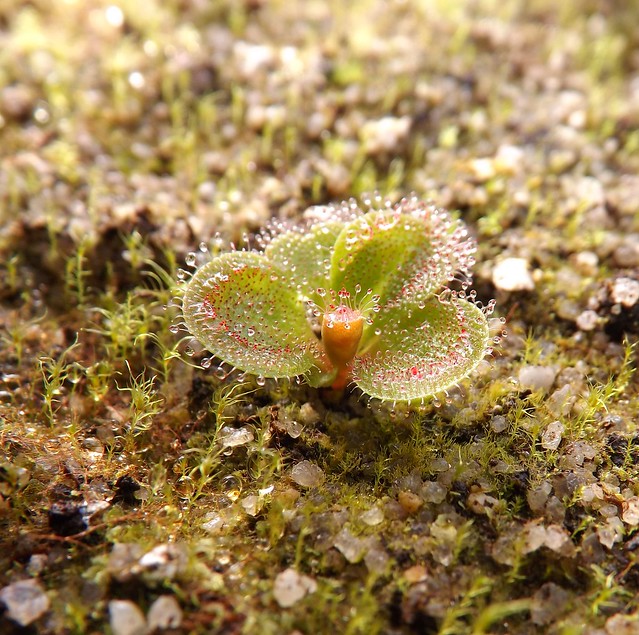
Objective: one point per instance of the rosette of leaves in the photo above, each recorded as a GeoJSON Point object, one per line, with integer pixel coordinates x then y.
{"type": "Point", "coordinates": [351, 295]}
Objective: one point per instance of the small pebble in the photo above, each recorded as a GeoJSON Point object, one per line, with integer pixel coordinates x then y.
{"type": "Point", "coordinates": [630, 513]}
{"type": "Point", "coordinates": [587, 262]}
{"type": "Point", "coordinates": [351, 547]}
{"type": "Point", "coordinates": [483, 169]}
{"type": "Point", "coordinates": [293, 428]}
{"type": "Point", "coordinates": [567, 309]}
{"type": "Point", "coordinates": [373, 516]}
{"type": "Point", "coordinates": [376, 560]}
{"type": "Point", "coordinates": [537, 377]}
{"type": "Point", "coordinates": [394, 511]}
{"type": "Point", "coordinates": [554, 537]}
{"type": "Point", "coordinates": [589, 190]}
{"type": "Point", "coordinates": [232, 437]}
{"type": "Point", "coordinates": [290, 587]}
{"type": "Point", "coordinates": [213, 523]}
{"type": "Point", "coordinates": [439, 464]}
{"type": "Point", "coordinates": [385, 134]}
{"type": "Point", "coordinates": [535, 538]}
{"type": "Point", "coordinates": [409, 501]}
{"type": "Point", "coordinates": [513, 274]}
{"type": "Point", "coordinates": [17, 102]}
{"type": "Point", "coordinates": [164, 613]}
{"type": "Point", "coordinates": [625, 291]}
{"type": "Point", "coordinates": [621, 624]}
{"type": "Point", "coordinates": [587, 320]}
{"type": "Point", "coordinates": [509, 159]}
{"type": "Point", "coordinates": [252, 59]}
{"type": "Point", "coordinates": [480, 502]}
{"type": "Point", "coordinates": [126, 618]}
{"type": "Point", "coordinates": [251, 504]}
{"type": "Point", "coordinates": [592, 493]}
{"type": "Point", "coordinates": [307, 474]}
{"type": "Point", "coordinates": [411, 482]}
{"type": "Point", "coordinates": [25, 601]}
{"type": "Point", "coordinates": [445, 537]}
{"type": "Point", "coordinates": [163, 562]}
{"type": "Point", "coordinates": [627, 254]}
{"type": "Point", "coordinates": [552, 434]}
{"type": "Point", "coordinates": [498, 423]}
{"type": "Point", "coordinates": [538, 495]}
{"type": "Point", "coordinates": [37, 564]}
{"type": "Point", "coordinates": [611, 532]}
{"type": "Point", "coordinates": [549, 602]}
{"type": "Point", "coordinates": [555, 511]}
{"type": "Point", "coordinates": [580, 451]}
{"type": "Point", "coordinates": [561, 400]}
{"type": "Point", "coordinates": [433, 492]}
{"type": "Point", "coordinates": [417, 573]}
{"type": "Point", "coordinates": [558, 540]}
{"type": "Point", "coordinates": [123, 559]}
{"type": "Point", "coordinates": [308, 415]}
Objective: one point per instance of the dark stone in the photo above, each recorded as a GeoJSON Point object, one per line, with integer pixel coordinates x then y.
{"type": "Point", "coordinates": [424, 623]}
{"type": "Point", "coordinates": [621, 448]}
{"type": "Point", "coordinates": [125, 488]}
{"type": "Point", "coordinates": [68, 518]}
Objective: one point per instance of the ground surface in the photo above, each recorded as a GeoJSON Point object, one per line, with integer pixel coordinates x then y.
{"type": "Point", "coordinates": [139, 491]}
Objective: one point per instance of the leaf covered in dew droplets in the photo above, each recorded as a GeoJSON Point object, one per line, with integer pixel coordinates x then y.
{"type": "Point", "coordinates": [242, 308]}
{"type": "Point", "coordinates": [350, 295]}
{"type": "Point", "coordinates": [398, 252]}
{"type": "Point", "coordinates": [424, 351]}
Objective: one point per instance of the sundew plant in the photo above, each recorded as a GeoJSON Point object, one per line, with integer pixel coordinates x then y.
{"type": "Point", "coordinates": [353, 294]}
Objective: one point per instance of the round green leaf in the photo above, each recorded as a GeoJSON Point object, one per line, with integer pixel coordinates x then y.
{"type": "Point", "coordinates": [243, 309]}
{"type": "Point", "coordinates": [423, 351]}
{"type": "Point", "coordinates": [404, 254]}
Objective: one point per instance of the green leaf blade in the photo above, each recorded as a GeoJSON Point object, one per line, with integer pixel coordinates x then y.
{"type": "Point", "coordinates": [424, 351]}
{"type": "Point", "coordinates": [242, 308]}
{"type": "Point", "coordinates": [373, 251]}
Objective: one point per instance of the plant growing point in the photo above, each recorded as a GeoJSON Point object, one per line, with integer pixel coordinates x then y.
{"type": "Point", "coordinates": [353, 294]}
{"type": "Point", "coordinates": [342, 329]}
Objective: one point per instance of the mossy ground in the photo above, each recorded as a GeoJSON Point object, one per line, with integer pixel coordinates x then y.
{"type": "Point", "coordinates": [132, 132]}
